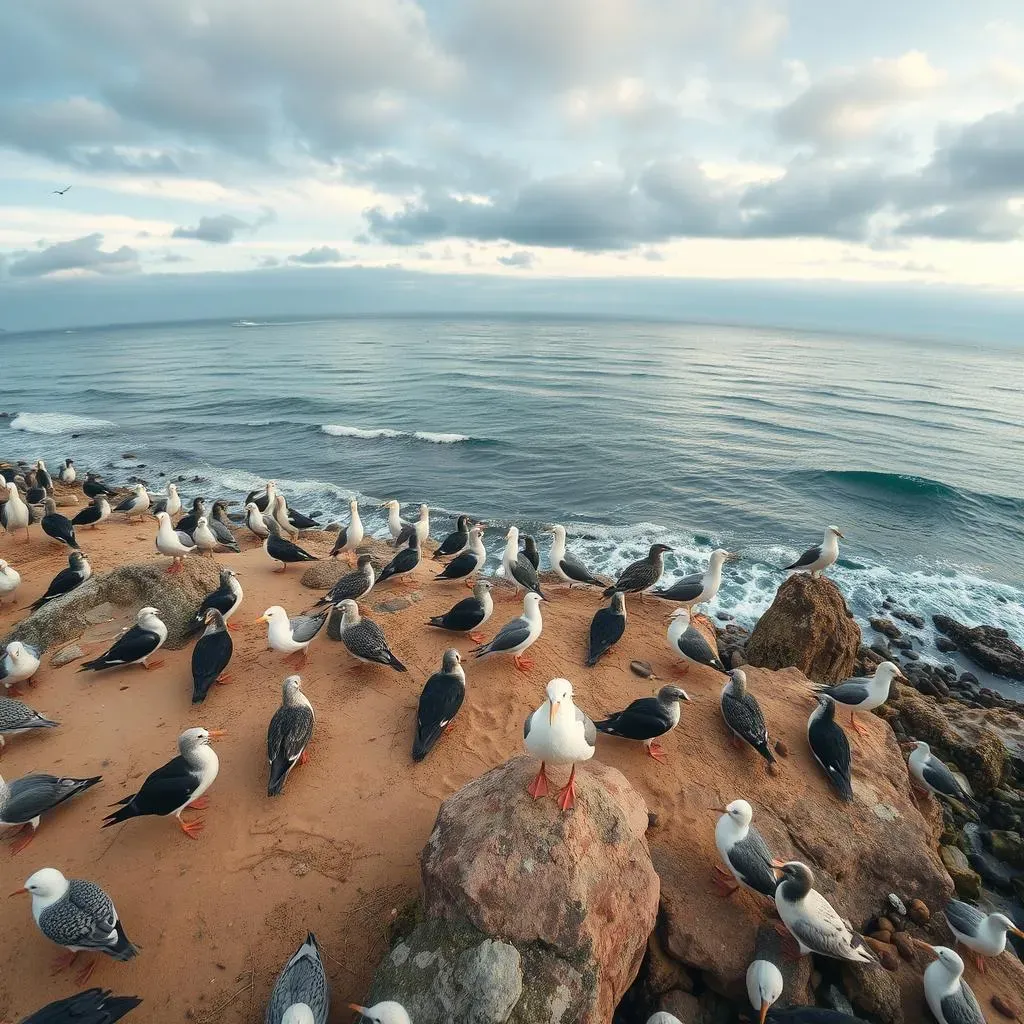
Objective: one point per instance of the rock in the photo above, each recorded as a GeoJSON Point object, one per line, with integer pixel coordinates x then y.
{"type": "Point", "coordinates": [494, 857]}
{"type": "Point", "coordinates": [102, 612]}
{"type": "Point", "coordinates": [1005, 1006]}
{"type": "Point", "coordinates": [912, 655]}
{"type": "Point", "coordinates": [919, 912]}
{"type": "Point", "coordinates": [1007, 846]}
{"type": "Point", "coordinates": [873, 992]}
{"type": "Point", "coordinates": [968, 677]}
{"type": "Point", "coordinates": [781, 749]}
{"type": "Point", "coordinates": [905, 947]}
{"type": "Point", "coordinates": [66, 655]}
{"type": "Point", "coordinates": [324, 574]}
{"type": "Point", "coordinates": [67, 500]}
{"type": "Point", "coordinates": [966, 881]}
{"type": "Point", "coordinates": [807, 626]}
{"type": "Point", "coordinates": [398, 604]}
{"type": "Point", "coordinates": [987, 646]}
{"type": "Point", "coordinates": [886, 627]}
{"type": "Point", "coordinates": [682, 1005]}
{"type": "Point", "coordinates": [662, 972]}
{"type": "Point", "coordinates": [911, 618]}
{"type": "Point", "coordinates": [944, 644]}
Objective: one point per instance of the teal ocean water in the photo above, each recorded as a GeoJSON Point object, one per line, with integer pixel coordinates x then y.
{"type": "Point", "coordinates": [698, 436]}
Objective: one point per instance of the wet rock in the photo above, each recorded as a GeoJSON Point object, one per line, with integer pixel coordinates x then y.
{"type": "Point", "coordinates": [911, 618]}
{"type": "Point", "coordinates": [944, 644]}
{"type": "Point", "coordinates": [987, 646]}
{"type": "Point", "coordinates": [684, 1006]}
{"type": "Point", "coordinates": [886, 627]}
{"type": "Point", "coordinates": [66, 655]}
{"type": "Point", "coordinates": [966, 881]}
{"type": "Point", "coordinates": [968, 677]}
{"type": "Point", "coordinates": [1006, 846]}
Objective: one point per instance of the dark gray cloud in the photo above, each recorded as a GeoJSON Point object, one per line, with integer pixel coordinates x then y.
{"type": "Point", "coordinates": [319, 255]}
{"type": "Point", "coordinates": [521, 259]}
{"type": "Point", "coordinates": [77, 254]}
{"type": "Point", "coordinates": [222, 228]}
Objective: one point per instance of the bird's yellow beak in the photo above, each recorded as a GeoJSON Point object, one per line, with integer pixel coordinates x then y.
{"type": "Point", "coordinates": [765, 1007]}
{"type": "Point", "coordinates": [17, 892]}
{"type": "Point", "coordinates": [1018, 933]}
{"type": "Point", "coordinates": [718, 810]}
{"type": "Point", "coordinates": [262, 618]}
{"type": "Point", "coordinates": [215, 734]}
{"type": "Point", "coordinates": [554, 711]}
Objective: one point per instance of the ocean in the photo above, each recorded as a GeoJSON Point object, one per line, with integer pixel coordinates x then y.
{"type": "Point", "coordinates": [626, 432]}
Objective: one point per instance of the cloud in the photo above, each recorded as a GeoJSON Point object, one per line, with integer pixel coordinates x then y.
{"type": "Point", "coordinates": [521, 259]}
{"type": "Point", "coordinates": [82, 254]}
{"type": "Point", "coordinates": [319, 255]}
{"type": "Point", "coordinates": [221, 229]}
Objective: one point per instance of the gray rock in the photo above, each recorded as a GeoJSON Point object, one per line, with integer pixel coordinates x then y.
{"type": "Point", "coordinates": [66, 655]}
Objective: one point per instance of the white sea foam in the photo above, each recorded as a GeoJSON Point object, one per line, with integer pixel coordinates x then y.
{"type": "Point", "coordinates": [58, 423]}
{"type": "Point", "coordinates": [341, 430]}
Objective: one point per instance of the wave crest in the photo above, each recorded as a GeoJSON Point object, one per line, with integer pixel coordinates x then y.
{"type": "Point", "coordinates": [58, 423]}
{"type": "Point", "coordinates": [432, 437]}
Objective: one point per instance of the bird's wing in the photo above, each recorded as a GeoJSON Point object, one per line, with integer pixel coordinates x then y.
{"type": "Point", "coordinates": [638, 576]}
{"type": "Point", "coordinates": [524, 573]}
{"type": "Point", "coordinates": [688, 588]}
{"type": "Point", "coordinates": [464, 615]}
{"type": "Point", "coordinates": [406, 560]}
{"type": "Point", "coordinates": [305, 627]}
{"type": "Point", "coordinates": [211, 654]}
{"type": "Point", "coordinates": [589, 729]}
{"type": "Point", "coordinates": [63, 583]}
{"type": "Point", "coordinates": [752, 861]}
{"type": "Point", "coordinates": [302, 980]}
{"type": "Point", "coordinates": [961, 1007]}
{"type": "Point", "coordinates": [644, 719]}
{"type": "Point", "coordinates": [963, 917]}
{"type": "Point", "coordinates": [351, 585]}
{"type": "Point", "coordinates": [366, 640]}
{"type": "Point", "coordinates": [34, 795]}
{"type": "Point", "coordinates": [822, 930]}
{"type": "Point", "coordinates": [694, 646]}
{"type": "Point", "coordinates": [576, 570]}
{"type": "Point", "coordinates": [136, 644]}
{"type": "Point", "coordinates": [93, 1006]}
{"type": "Point", "coordinates": [453, 542]}
{"type": "Point", "coordinates": [940, 778]}
{"type": "Point", "coordinates": [166, 789]}
{"type": "Point", "coordinates": [851, 693]}
{"type": "Point", "coordinates": [88, 912]}
{"type": "Point", "coordinates": [440, 700]}
{"type": "Point", "coordinates": [744, 717]}
{"type": "Point", "coordinates": [606, 628]}
{"type": "Point", "coordinates": [289, 731]}
{"type": "Point", "coordinates": [222, 533]}
{"type": "Point", "coordinates": [831, 747]}
{"type": "Point", "coordinates": [185, 538]}
{"type": "Point", "coordinates": [459, 566]}
{"type": "Point", "coordinates": [128, 503]}
{"type": "Point", "coordinates": [809, 557]}
{"type": "Point", "coordinates": [512, 634]}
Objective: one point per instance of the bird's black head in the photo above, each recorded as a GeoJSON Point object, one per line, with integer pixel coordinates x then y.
{"type": "Point", "coordinates": [658, 549]}
{"type": "Point", "coordinates": [364, 560]}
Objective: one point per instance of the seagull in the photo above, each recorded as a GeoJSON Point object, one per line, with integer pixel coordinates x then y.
{"type": "Point", "coordinates": [43, 477]}
{"type": "Point", "coordinates": [983, 934]}
{"type": "Point", "coordinates": [265, 501]}
{"type": "Point", "coordinates": [817, 559]}
{"type": "Point", "coordinates": [641, 576]}
{"type": "Point", "coordinates": [647, 719]}
{"type": "Point", "coordinates": [421, 527]}
{"type": "Point", "coordinates": [169, 502]}
{"type": "Point", "coordinates": [469, 560]}
{"type": "Point", "coordinates": [67, 473]}
{"type": "Point", "coordinates": [351, 536]}
{"type": "Point", "coordinates": [440, 701]}
{"type": "Point", "coordinates": [14, 513]}
{"type": "Point", "coordinates": [949, 997]}
{"type": "Point", "coordinates": [93, 1006]}
{"type": "Point", "coordinates": [135, 646]}
{"type": "Point", "coordinates": [35, 492]}
{"type": "Point", "coordinates": [764, 986]}
{"type": "Point", "coordinates": [19, 664]}
{"type": "Point", "coordinates": [24, 801]}
{"type": "Point", "coordinates": [698, 587]}
{"type": "Point", "coordinates": [395, 521]}
{"type": "Point", "coordinates": [10, 580]}
{"type": "Point", "coordinates": [830, 747]}
{"type": "Point", "coordinates": [455, 541]}
{"type": "Point", "coordinates": [518, 569]}
{"type": "Point", "coordinates": [864, 693]}
{"type": "Point", "coordinates": [136, 504]}
{"type": "Point", "coordinates": [77, 572]}
{"type": "Point", "coordinates": [301, 994]}
{"type": "Point", "coordinates": [187, 523]}
{"type": "Point", "coordinates": [56, 526]}
{"type": "Point", "coordinates": [210, 656]}
{"type": "Point", "coordinates": [177, 785]}
{"type": "Point", "coordinates": [531, 551]}
{"type": "Point", "coordinates": [291, 521]}
{"type": "Point", "coordinates": [403, 563]}
{"type": "Point", "coordinates": [812, 920]}
{"type": "Point", "coordinates": [468, 614]}
{"type": "Point", "coordinates": [688, 641]}
{"type": "Point", "coordinates": [94, 486]}
{"type": "Point", "coordinates": [94, 513]}
{"type": "Point", "coordinates": [354, 585]}
{"type": "Point", "coordinates": [519, 634]}
{"type": "Point", "coordinates": [255, 521]}
{"type": "Point", "coordinates": [932, 775]}
{"type": "Point", "coordinates": [292, 636]}
{"type": "Point", "coordinates": [175, 544]}
{"type": "Point", "coordinates": [558, 733]}
{"type": "Point", "coordinates": [79, 915]}
{"type": "Point", "coordinates": [209, 539]}
{"type": "Point", "coordinates": [606, 628]}
{"type": "Point", "coordinates": [567, 565]}
{"type": "Point", "coordinates": [226, 599]}
{"type": "Point", "coordinates": [743, 714]}
{"type": "Point", "coordinates": [364, 639]}
{"type": "Point", "coordinates": [289, 734]}
{"type": "Point", "coordinates": [387, 1012]}
{"type": "Point", "coordinates": [16, 717]}
{"type": "Point", "coordinates": [744, 852]}
{"type": "Point", "coordinates": [281, 550]}
{"type": "Point", "coordinates": [61, 191]}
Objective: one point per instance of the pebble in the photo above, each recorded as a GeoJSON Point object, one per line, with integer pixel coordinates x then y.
{"type": "Point", "coordinates": [1005, 1007]}
{"type": "Point", "coordinates": [897, 904]}
{"type": "Point", "coordinates": [885, 925]}
{"type": "Point", "coordinates": [781, 749]}
{"type": "Point", "coordinates": [919, 912]}
{"type": "Point", "coordinates": [944, 644]}
{"type": "Point", "coordinates": [968, 677]}
{"type": "Point", "coordinates": [905, 947]}
{"type": "Point", "coordinates": [641, 669]}
{"type": "Point", "coordinates": [66, 655]}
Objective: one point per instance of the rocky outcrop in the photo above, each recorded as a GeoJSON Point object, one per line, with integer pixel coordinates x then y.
{"type": "Point", "coordinates": [808, 627]}
{"type": "Point", "coordinates": [987, 646]}
{"type": "Point", "coordinates": [559, 906]}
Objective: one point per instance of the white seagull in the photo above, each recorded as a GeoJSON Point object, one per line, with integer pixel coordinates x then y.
{"type": "Point", "coordinates": [698, 587]}
{"type": "Point", "coordinates": [949, 997]}
{"type": "Point", "coordinates": [292, 636]}
{"type": "Point", "coordinates": [177, 546]}
{"type": "Point", "coordinates": [864, 693]}
{"type": "Point", "coordinates": [10, 580]}
{"type": "Point", "coordinates": [983, 934]}
{"type": "Point", "coordinates": [14, 513]}
{"type": "Point", "coordinates": [136, 504]}
{"type": "Point", "coordinates": [19, 664]}
{"type": "Point", "coordinates": [518, 635]}
{"type": "Point", "coordinates": [817, 559]}
{"type": "Point", "coordinates": [764, 986]}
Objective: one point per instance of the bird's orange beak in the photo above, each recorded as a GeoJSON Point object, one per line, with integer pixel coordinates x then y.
{"type": "Point", "coordinates": [778, 863]}
{"type": "Point", "coordinates": [765, 1007]}
{"type": "Point", "coordinates": [357, 1008]}
{"type": "Point", "coordinates": [554, 711]}
{"type": "Point", "coordinates": [1018, 933]}
{"type": "Point", "coordinates": [718, 810]}
{"type": "Point", "coordinates": [777, 872]}
{"type": "Point", "coordinates": [215, 734]}
{"type": "Point", "coordinates": [17, 892]}
{"type": "Point", "coordinates": [262, 618]}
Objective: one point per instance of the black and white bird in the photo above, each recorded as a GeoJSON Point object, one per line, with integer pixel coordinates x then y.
{"type": "Point", "coordinates": [226, 599]}
{"type": "Point", "coordinates": [643, 575]}
{"type": "Point", "coordinates": [949, 997]}
{"type": "Point", "coordinates": [469, 614]}
{"type": "Point", "coordinates": [265, 501]}
{"type": "Point", "coordinates": [210, 656]}
{"type": "Point", "coordinates": [698, 588]}
{"type": "Point", "coordinates": [78, 915]}
{"type": "Point", "coordinates": [77, 572]}
{"type": "Point", "coordinates": [14, 513]}
{"type": "Point", "coordinates": [93, 1006]}
{"type": "Point", "coordinates": [606, 628]}
{"type": "Point", "coordinates": [440, 701]}
{"type": "Point", "coordinates": [764, 986]}
{"type": "Point", "coordinates": [24, 801]}
{"type": "Point", "coordinates": [177, 785]}
{"type": "Point", "coordinates": [864, 693]}
{"type": "Point", "coordinates": [744, 852]}
{"type": "Point", "coordinates": [817, 559]}
{"type": "Point", "coordinates": [560, 733]}
{"type": "Point", "coordinates": [350, 536]}
{"type": "Point", "coordinates": [830, 747]}
{"type": "Point", "coordinates": [983, 934]}
{"type": "Point", "coordinates": [386, 1012]}
{"type": "Point", "coordinates": [222, 533]}
{"type": "Point", "coordinates": [456, 540]}
{"type": "Point", "coordinates": [292, 636]}
{"type": "Point", "coordinates": [67, 474]}
{"type": "Point", "coordinates": [174, 544]}
{"type": "Point", "coordinates": [931, 774]}
{"type": "Point", "coordinates": [364, 639]}
{"type": "Point", "coordinates": [468, 561]}
{"type": "Point", "coordinates": [301, 994]}
{"type": "Point", "coordinates": [43, 477]}
{"type": "Point", "coordinates": [290, 520]}
{"type": "Point", "coordinates": [531, 551]}
{"type": "Point", "coordinates": [94, 513]}
{"type": "Point", "coordinates": [282, 550]}
{"type": "Point", "coordinates": [136, 504]}
{"type": "Point", "coordinates": [188, 522]}
{"type": "Point", "coordinates": [647, 720]}
{"type": "Point", "coordinates": [56, 526]}
{"type": "Point", "coordinates": [210, 535]}
{"type": "Point", "coordinates": [290, 731]}
{"type": "Point", "coordinates": [35, 493]}
{"type": "Point", "coordinates": [566, 565]}
{"type": "Point", "coordinates": [403, 563]}
{"type": "Point", "coordinates": [19, 664]}
{"type": "Point", "coordinates": [743, 714]}
{"type": "Point", "coordinates": [353, 585]}
{"type": "Point", "coordinates": [255, 521]}
{"type": "Point", "coordinates": [813, 921]}
{"type": "Point", "coordinates": [686, 641]}
{"type": "Point", "coordinates": [94, 486]}
{"type": "Point", "coordinates": [16, 718]}
{"type": "Point", "coordinates": [10, 580]}
{"type": "Point", "coordinates": [516, 636]}
{"type": "Point", "coordinates": [135, 646]}
{"type": "Point", "coordinates": [169, 502]}
{"type": "Point", "coordinates": [517, 568]}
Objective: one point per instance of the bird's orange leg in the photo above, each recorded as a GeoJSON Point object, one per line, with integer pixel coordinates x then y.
{"type": "Point", "coordinates": [522, 663]}
{"type": "Point", "coordinates": [223, 678]}
{"type": "Point", "coordinates": [24, 836]}
{"type": "Point", "coordinates": [152, 664]}
{"type": "Point", "coordinates": [233, 626]}
{"type": "Point", "coordinates": [979, 962]}
{"type": "Point", "coordinates": [63, 962]}
{"type": "Point", "coordinates": [657, 751]}
{"type": "Point", "coordinates": [477, 638]}
{"type": "Point", "coordinates": [856, 726]}
{"type": "Point", "coordinates": [192, 828]}
{"type": "Point", "coordinates": [567, 795]}
{"type": "Point", "coordinates": [83, 976]}
{"type": "Point", "coordinates": [303, 757]}
{"type": "Point", "coordinates": [200, 805]}
{"type": "Point", "coordinates": [539, 786]}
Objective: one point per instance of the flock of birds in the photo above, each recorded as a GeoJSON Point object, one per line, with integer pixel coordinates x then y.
{"type": "Point", "coordinates": [81, 917]}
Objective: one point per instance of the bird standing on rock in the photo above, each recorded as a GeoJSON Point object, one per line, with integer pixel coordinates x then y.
{"type": "Point", "coordinates": [78, 570]}
{"type": "Point", "coordinates": [136, 504]}
{"type": "Point", "coordinates": [686, 641]}
{"type": "Point", "coordinates": [931, 774]}
{"type": "Point", "coordinates": [351, 536]}
{"type": "Point", "coordinates": [518, 569]}
{"type": "Point", "coordinates": [647, 719]}
{"type": "Point", "coordinates": [698, 587]}
{"type": "Point", "coordinates": [187, 523]}
{"type": "Point", "coordinates": [134, 647]}
{"type": "Point", "coordinates": [282, 550]}
{"type": "Point", "coordinates": [169, 502]}
{"type": "Point", "coordinates": [290, 731]}
{"type": "Point", "coordinates": [255, 522]}
{"type": "Point", "coordinates": [983, 934]}
{"type": "Point", "coordinates": [864, 693]}
{"type": "Point", "coordinates": [226, 599]}
{"type": "Point", "coordinates": [469, 560]}
{"type": "Point", "coordinates": [403, 563]}
{"type": "Point", "coordinates": [516, 636]}
{"type": "Point", "coordinates": [567, 565]}
{"type": "Point", "coordinates": [641, 576]}
{"type": "Point", "coordinates": [67, 473]}
{"type": "Point", "coordinates": [440, 701]}
{"type": "Point", "coordinates": [949, 997]}
{"type": "Point", "coordinates": [743, 714]}
{"type": "Point", "coordinates": [354, 585]}
{"type": "Point", "coordinates": [10, 580]}
{"type": "Point", "coordinates": [830, 747]}
{"type": "Point", "coordinates": [174, 544]}
{"type": "Point", "coordinates": [14, 513]}
{"type": "Point", "coordinates": [606, 628]}
{"type": "Point", "coordinates": [744, 852]}
{"type": "Point", "coordinates": [817, 559]}
{"type": "Point", "coordinates": [764, 986]}
{"type": "Point", "coordinates": [456, 540]}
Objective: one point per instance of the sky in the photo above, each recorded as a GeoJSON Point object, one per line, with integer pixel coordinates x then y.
{"type": "Point", "coordinates": [208, 141]}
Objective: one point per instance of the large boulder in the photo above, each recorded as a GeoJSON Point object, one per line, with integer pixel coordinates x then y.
{"type": "Point", "coordinates": [575, 894]}
{"type": "Point", "coordinates": [987, 646]}
{"type": "Point", "coordinates": [808, 627]}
